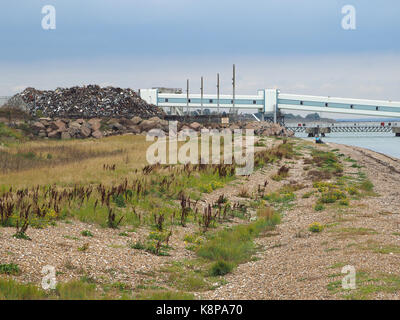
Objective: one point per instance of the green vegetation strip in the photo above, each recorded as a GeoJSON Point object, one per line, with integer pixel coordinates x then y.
{"type": "Point", "coordinates": [368, 286]}
{"type": "Point", "coordinates": [230, 247]}
{"type": "Point", "coordinates": [82, 290]}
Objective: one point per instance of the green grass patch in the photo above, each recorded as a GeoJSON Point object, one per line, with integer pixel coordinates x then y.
{"type": "Point", "coordinates": [221, 268]}
{"type": "Point", "coordinates": [86, 233]}
{"type": "Point", "coordinates": [73, 290]}
{"type": "Point", "coordinates": [164, 295]}
{"type": "Point", "coordinates": [235, 245]}
{"type": "Point", "coordinates": [76, 290]}
{"type": "Point", "coordinates": [327, 160]}
{"type": "Point", "coordinates": [13, 290]}
{"type": "Point", "coordinates": [382, 248]}
{"type": "Point", "coordinates": [10, 269]}
{"type": "Point", "coordinates": [355, 231]}
{"type": "Point", "coordinates": [367, 286]}
{"type": "Point", "coordinates": [282, 198]}
{"type": "Point", "coordinates": [7, 133]}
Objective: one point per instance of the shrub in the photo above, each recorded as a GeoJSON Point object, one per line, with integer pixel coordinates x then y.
{"type": "Point", "coordinates": [276, 197]}
{"type": "Point", "coordinates": [316, 175]}
{"type": "Point", "coordinates": [315, 227]}
{"type": "Point", "coordinates": [327, 160]}
{"type": "Point", "coordinates": [206, 188]}
{"type": "Point", "coordinates": [221, 268]}
{"type": "Point", "coordinates": [7, 132]}
{"type": "Point", "coordinates": [319, 207]}
{"type": "Point", "coordinates": [332, 196]}
{"type": "Point", "coordinates": [86, 233]}
{"type": "Point", "coordinates": [259, 144]}
{"type": "Point", "coordinates": [192, 238]}
{"type": "Point", "coordinates": [307, 195]}
{"type": "Point", "coordinates": [84, 247]}
{"type": "Point", "coordinates": [119, 201]}
{"type": "Point", "coordinates": [265, 212]}
{"type": "Point", "coordinates": [10, 268]}
{"type": "Point", "coordinates": [153, 246]}
{"type": "Point", "coordinates": [324, 186]}
{"type": "Point", "coordinates": [160, 236]}
{"type": "Point", "coordinates": [137, 245]}
{"type": "Point", "coordinates": [367, 185]}
{"type": "Point", "coordinates": [156, 248]}
{"type": "Point", "coordinates": [353, 191]}
{"type": "Point", "coordinates": [21, 235]}
{"type": "Point", "coordinates": [243, 193]}
{"type": "Point", "coordinates": [216, 184]}
{"type": "Point", "coordinates": [282, 173]}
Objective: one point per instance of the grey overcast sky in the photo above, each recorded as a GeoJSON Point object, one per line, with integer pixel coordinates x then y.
{"type": "Point", "coordinates": [298, 46]}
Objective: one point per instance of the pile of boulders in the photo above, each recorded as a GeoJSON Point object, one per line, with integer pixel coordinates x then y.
{"type": "Point", "coordinates": [264, 128]}
{"type": "Point", "coordinates": [67, 129]}
{"type": "Point", "coordinates": [260, 128]}
{"type": "Point", "coordinates": [86, 102]}
{"type": "Point", "coordinates": [97, 128]}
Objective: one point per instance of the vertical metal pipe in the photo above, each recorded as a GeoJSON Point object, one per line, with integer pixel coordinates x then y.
{"type": "Point", "coordinates": [218, 93]}
{"type": "Point", "coordinates": [187, 96]}
{"type": "Point", "coordinates": [233, 91]}
{"type": "Point", "coordinates": [201, 99]}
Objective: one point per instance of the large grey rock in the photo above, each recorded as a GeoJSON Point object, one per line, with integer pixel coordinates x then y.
{"type": "Point", "coordinates": [119, 127]}
{"type": "Point", "coordinates": [253, 125]}
{"type": "Point", "coordinates": [147, 125]}
{"type": "Point", "coordinates": [42, 133]}
{"type": "Point", "coordinates": [97, 134]}
{"type": "Point", "coordinates": [75, 125]}
{"type": "Point", "coordinates": [45, 121]}
{"type": "Point", "coordinates": [155, 119]}
{"type": "Point", "coordinates": [136, 120]}
{"type": "Point", "coordinates": [95, 124]}
{"type": "Point", "coordinates": [37, 126]}
{"type": "Point", "coordinates": [125, 122]}
{"type": "Point", "coordinates": [112, 121]}
{"type": "Point", "coordinates": [65, 135]}
{"type": "Point", "coordinates": [58, 125]}
{"type": "Point", "coordinates": [85, 131]}
{"type": "Point", "coordinates": [73, 132]}
{"type": "Point", "coordinates": [54, 134]}
{"type": "Point", "coordinates": [134, 129]}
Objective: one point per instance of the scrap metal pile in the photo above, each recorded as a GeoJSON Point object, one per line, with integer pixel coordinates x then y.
{"type": "Point", "coordinates": [87, 102]}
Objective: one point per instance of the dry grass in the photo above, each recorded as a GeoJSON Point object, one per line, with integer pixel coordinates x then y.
{"type": "Point", "coordinates": [126, 152]}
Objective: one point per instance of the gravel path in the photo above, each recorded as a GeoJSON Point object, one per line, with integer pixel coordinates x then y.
{"type": "Point", "coordinates": [294, 263]}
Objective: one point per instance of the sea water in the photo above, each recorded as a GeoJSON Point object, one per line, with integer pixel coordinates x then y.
{"type": "Point", "coordinates": [386, 143]}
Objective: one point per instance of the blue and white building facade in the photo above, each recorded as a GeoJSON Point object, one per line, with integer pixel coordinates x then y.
{"type": "Point", "coordinates": [269, 101]}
